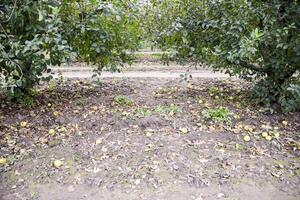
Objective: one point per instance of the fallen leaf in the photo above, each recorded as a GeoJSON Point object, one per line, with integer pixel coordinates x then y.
{"type": "Point", "coordinates": [56, 113]}
{"type": "Point", "coordinates": [104, 149]}
{"type": "Point", "coordinates": [247, 138]}
{"type": "Point", "coordinates": [236, 116]}
{"type": "Point", "coordinates": [285, 123]}
{"type": "Point", "coordinates": [3, 161]}
{"type": "Point", "coordinates": [51, 132]}
{"type": "Point", "coordinates": [184, 130]}
{"type": "Point", "coordinates": [57, 163]}
{"type": "Point", "coordinates": [276, 135]}
{"type": "Point", "coordinates": [23, 124]}
{"type": "Point", "coordinates": [99, 141]}
{"type": "Point", "coordinates": [269, 138]}
{"type": "Point", "coordinates": [264, 134]}
{"type": "Point", "coordinates": [149, 134]}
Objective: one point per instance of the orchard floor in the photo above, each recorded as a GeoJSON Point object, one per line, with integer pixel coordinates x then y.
{"type": "Point", "coordinates": [155, 144]}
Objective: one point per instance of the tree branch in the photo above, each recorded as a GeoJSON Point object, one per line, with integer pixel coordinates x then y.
{"type": "Point", "coordinates": [250, 66]}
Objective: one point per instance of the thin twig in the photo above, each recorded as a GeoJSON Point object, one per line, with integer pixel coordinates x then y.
{"type": "Point", "coordinates": [12, 12]}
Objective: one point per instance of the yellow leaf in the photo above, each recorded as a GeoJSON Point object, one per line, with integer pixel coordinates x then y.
{"type": "Point", "coordinates": [236, 117]}
{"type": "Point", "coordinates": [276, 135]}
{"type": "Point", "coordinates": [149, 134]}
{"type": "Point", "coordinates": [125, 113]}
{"type": "Point", "coordinates": [269, 138]}
{"type": "Point", "coordinates": [58, 163]}
{"type": "Point", "coordinates": [23, 124]}
{"type": "Point", "coordinates": [51, 132]}
{"type": "Point", "coordinates": [240, 126]}
{"type": "Point", "coordinates": [247, 138]}
{"type": "Point", "coordinates": [55, 113]}
{"type": "Point", "coordinates": [3, 161]}
{"type": "Point", "coordinates": [264, 134]}
{"type": "Point", "coordinates": [247, 128]}
{"type": "Point", "coordinates": [99, 141]}
{"type": "Point", "coordinates": [200, 101]}
{"type": "Point", "coordinates": [285, 123]}
{"type": "Point", "coordinates": [184, 130]}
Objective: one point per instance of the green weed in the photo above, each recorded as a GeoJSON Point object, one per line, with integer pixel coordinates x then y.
{"type": "Point", "coordinates": [216, 115]}
{"type": "Point", "coordinates": [123, 100]}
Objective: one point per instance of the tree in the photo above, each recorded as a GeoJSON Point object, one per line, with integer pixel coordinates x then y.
{"type": "Point", "coordinates": [101, 32]}
{"type": "Point", "coordinates": [30, 40]}
{"type": "Point", "coordinates": [257, 40]}
{"type": "Point", "coordinates": [37, 34]}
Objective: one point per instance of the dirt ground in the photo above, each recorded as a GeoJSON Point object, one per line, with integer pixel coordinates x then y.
{"type": "Point", "coordinates": [148, 139]}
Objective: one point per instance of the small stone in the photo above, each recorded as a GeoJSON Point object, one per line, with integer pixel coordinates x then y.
{"type": "Point", "coordinates": [71, 188]}
{"type": "Point", "coordinates": [175, 167]}
{"type": "Point", "coordinates": [104, 149]}
{"type": "Point", "coordinates": [200, 101]}
{"type": "Point", "coordinates": [137, 181]}
{"type": "Point", "coordinates": [149, 134]}
{"type": "Point", "coordinates": [220, 195]}
{"type": "Point", "coordinates": [99, 141]}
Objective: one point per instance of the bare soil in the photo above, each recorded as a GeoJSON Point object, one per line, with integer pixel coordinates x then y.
{"type": "Point", "coordinates": [157, 145]}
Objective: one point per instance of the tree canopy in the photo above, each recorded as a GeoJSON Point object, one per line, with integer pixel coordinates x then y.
{"type": "Point", "coordinates": [257, 40]}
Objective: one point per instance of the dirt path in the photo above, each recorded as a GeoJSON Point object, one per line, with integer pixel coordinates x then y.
{"type": "Point", "coordinates": [148, 139]}
{"type": "Point", "coordinates": [139, 70]}
{"type": "Point", "coordinates": [139, 74]}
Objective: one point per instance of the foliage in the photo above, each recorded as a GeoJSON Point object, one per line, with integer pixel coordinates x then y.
{"type": "Point", "coordinates": [30, 40]}
{"type": "Point", "coordinates": [290, 98]}
{"type": "Point", "coordinates": [37, 34]}
{"type": "Point", "coordinates": [144, 112]}
{"type": "Point", "coordinates": [169, 110]}
{"type": "Point", "coordinates": [217, 115]}
{"type": "Point", "coordinates": [102, 32]}
{"type": "Point", "coordinates": [213, 91]}
{"type": "Point", "coordinates": [123, 100]}
{"type": "Point", "coordinates": [257, 40]}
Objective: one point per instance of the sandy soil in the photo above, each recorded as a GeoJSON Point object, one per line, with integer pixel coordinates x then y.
{"type": "Point", "coordinates": [152, 142]}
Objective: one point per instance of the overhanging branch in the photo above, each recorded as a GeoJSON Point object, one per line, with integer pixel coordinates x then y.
{"type": "Point", "coordinates": [251, 66]}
